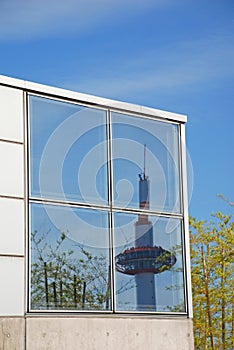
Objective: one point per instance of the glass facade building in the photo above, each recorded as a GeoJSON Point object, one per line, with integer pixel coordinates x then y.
{"type": "Point", "coordinates": [94, 236]}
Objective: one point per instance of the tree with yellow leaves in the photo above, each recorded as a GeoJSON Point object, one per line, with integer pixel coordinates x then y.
{"type": "Point", "coordinates": [212, 254]}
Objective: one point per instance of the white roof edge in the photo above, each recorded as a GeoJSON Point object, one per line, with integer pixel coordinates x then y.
{"type": "Point", "coordinates": [104, 102]}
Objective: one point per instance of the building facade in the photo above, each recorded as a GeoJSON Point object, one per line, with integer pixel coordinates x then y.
{"type": "Point", "coordinates": [94, 241]}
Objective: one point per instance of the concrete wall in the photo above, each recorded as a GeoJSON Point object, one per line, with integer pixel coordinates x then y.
{"type": "Point", "coordinates": [21, 331]}
{"type": "Point", "coordinates": [92, 333]}
{"type": "Point", "coordinates": [108, 333]}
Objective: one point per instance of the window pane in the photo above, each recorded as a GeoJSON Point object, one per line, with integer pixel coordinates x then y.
{"type": "Point", "coordinates": [145, 147]}
{"type": "Point", "coordinates": [67, 151]}
{"type": "Point", "coordinates": [148, 263]}
{"type": "Point", "coordinates": [69, 259]}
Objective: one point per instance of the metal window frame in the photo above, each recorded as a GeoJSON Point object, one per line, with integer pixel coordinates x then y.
{"type": "Point", "coordinates": [184, 189]}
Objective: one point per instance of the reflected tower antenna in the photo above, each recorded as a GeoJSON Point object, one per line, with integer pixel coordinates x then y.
{"type": "Point", "coordinates": [144, 160]}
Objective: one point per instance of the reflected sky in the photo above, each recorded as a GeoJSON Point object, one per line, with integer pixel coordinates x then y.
{"type": "Point", "coordinates": [130, 134]}
{"type": "Point", "coordinates": [68, 158]}
{"type": "Point", "coordinates": [86, 227]}
{"type": "Point", "coordinates": [61, 137]}
{"type": "Point", "coordinates": [68, 162]}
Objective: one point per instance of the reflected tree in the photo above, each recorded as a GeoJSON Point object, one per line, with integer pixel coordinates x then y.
{"type": "Point", "coordinates": [66, 276]}
{"type": "Point", "coordinates": [177, 287]}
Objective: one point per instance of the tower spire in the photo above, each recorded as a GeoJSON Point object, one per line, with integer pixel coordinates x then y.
{"type": "Point", "coordinates": [144, 160]}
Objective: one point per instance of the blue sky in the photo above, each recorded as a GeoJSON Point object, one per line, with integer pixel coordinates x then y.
{"type": "Point", "coordinates": [171, 55]}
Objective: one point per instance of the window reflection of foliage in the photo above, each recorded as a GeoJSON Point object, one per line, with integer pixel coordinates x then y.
{"type": "Point", "coordinates": [175, 308]}
{"type": "Point", "coordinates": [125, 286]}
{"type": "Point", "coordinates": [61, 280]}
{"type": "Point", "coordinates": [176, 250]}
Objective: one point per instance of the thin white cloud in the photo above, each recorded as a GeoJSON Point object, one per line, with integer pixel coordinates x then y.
{"type": "Point", "coordinates": [176, 66]}
{"type": "Point", "coordinates": [26, 19]}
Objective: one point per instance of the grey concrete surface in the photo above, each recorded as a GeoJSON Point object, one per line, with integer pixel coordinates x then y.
{"type": "Point", "coordinates": [109, 333]}
{"type": "Point", "coordinates": [12, 333]}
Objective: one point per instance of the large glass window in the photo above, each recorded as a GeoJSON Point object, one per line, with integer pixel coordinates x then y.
{"type": "Point", "coordinates": [106, 224]}
{"type": "Point", "coordinates": [64, 137]}
{"type": "Point", "coordinates": [159, 159]}
{"type": "Point", "coordinates": [149, 264]}
{"type": "Point", "coordinates": [67, 272]}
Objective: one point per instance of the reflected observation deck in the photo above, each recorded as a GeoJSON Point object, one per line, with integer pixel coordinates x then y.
{"type": "Point", "coordinates": [145, 259]}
